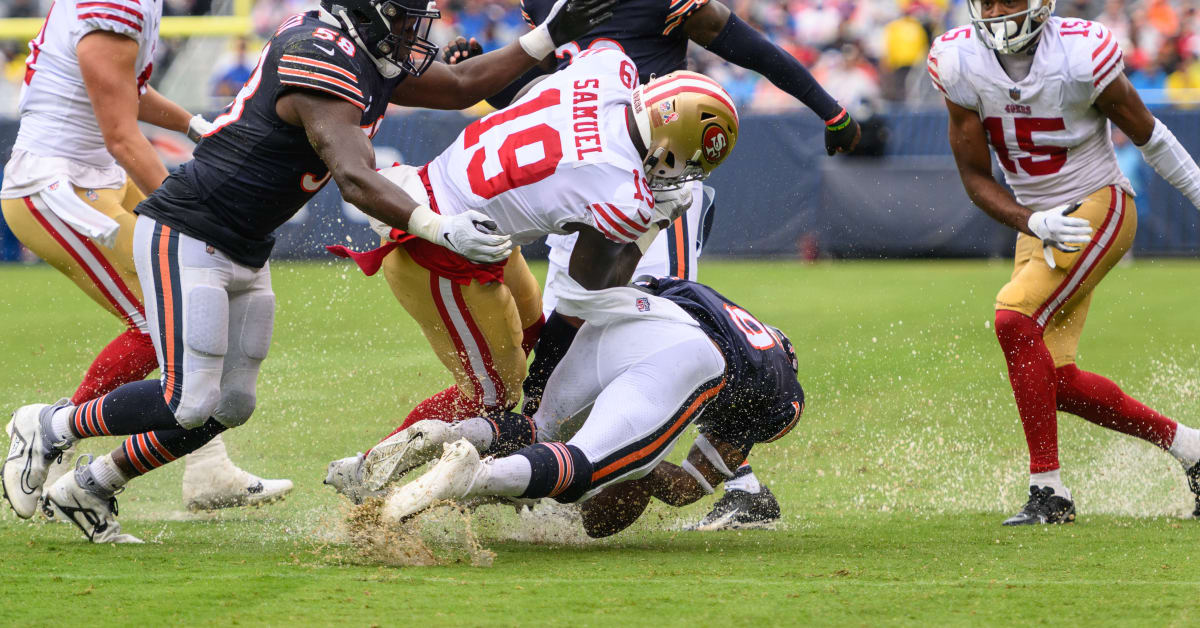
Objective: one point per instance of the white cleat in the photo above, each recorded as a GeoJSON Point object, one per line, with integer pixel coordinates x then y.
{"type": "Point", "coordinates": [404, 451]}
{"type": "Point", "coordinates": [451, 478]}
{"type": "Point", "coordinates": [93, 510]}
{"type": "Point", "coordinates": [211, 481]}
{"type": "Point", "coordinates": [29, 458]}
{"type": "Point", "coordinates": [241, 488]}
{"type": "Point", "coordinates": [345, 476]}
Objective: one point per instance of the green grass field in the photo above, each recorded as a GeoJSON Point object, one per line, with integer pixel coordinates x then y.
{"type": "Point", "coordinates": [893, 486]}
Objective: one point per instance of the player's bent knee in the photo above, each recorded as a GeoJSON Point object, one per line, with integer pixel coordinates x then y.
{"type": "Point", "coordinates": [235, 408]}
{"type": "Point", "coordinates": [197, 408]}
{"type": "Point", "coordinates": [558, 470]}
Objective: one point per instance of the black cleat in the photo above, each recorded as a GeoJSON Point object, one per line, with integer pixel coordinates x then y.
{"type": "Point", "coordinates": [1043, 507]}
{"type": "Point", "coordinates": [1193, 478]}
{"type": "Point", "coordinates": [739, 509]}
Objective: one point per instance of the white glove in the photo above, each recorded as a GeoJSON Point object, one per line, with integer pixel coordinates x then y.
{"type": "Point", "coordinates": [198, 127]}
{"type": "Point", "coordinates": [673, 203]}
{"type": "Point", "coordinates": [1057, 230]}
{"type": "Point", "coordinates": [470, 234]}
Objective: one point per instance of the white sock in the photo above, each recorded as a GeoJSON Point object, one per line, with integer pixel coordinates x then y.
{"type": "Point", "coordinates": [107, 474]}
{"type": "Point", "coordinates": [1186, 446]}
{"type": "Point", "coordinates": [477, 430]}
{"type": "Point", "coordinates": [60, 427]}
{"type": "Point", "coordinates": [743, 482]}
{"type": "Point", "coordinates": [1052, 480]}
{"type": "Point", "coordinates": [503, 476]}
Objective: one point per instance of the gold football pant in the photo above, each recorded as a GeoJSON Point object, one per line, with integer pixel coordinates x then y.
{"type": "Point", "coordinates": [475, 330]}
{"type": "Point", "coordinates": [1058, 298]}
{"type": "Point", "coordinates": [105, 274]}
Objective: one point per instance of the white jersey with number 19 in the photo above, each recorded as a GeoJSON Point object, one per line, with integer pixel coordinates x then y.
{"type": "Point", "coordinates": [561, 154]}
{"type": "Point", "coordinates": [1055, 147]}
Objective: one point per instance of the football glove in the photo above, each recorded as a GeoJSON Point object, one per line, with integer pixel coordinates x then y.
{"type": "Point", "coordinates": [1057, 230]}
{"type": "Point", "coordinates": [568, 20]}
{"type": "Point", "coordinates": [198, 127]}
{"type": "Point", "coordinates": [460, 50]}
{"type": "Point", "coordinates": [470, 234]}
{"type": "Point", "coordinates": [673, 203]}
{"type": "Point", "coordinates": [841, 134]}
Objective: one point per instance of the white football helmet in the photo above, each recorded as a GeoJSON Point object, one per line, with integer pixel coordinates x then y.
{"type": "Point", "coordinates": [1002, 34]}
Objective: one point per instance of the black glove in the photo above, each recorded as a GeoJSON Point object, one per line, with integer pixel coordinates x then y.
{"type": "Point", "coordinates": [841, 134]}
{"type": "Point", "coordinates": [576, 18]}
{"type": "Point", "coordinates": [461, 50]}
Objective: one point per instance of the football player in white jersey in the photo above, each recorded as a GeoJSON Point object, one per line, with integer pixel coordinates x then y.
{"type": "Point", "coordinates": [1041, 90]}
{"type": "Point", "coordinates": [79, 166]}
{"type": "Point", "coordinates": [586, 150]}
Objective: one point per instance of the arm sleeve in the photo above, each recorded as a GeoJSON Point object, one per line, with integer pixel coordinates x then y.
{"type": "Point", "coordinates": [321, 67]}
{"type": "Point", "coordinates": [123, 17]}
{"type": "Point", "coordinates": [739, 43]}
{"type": "Point", "coordinates": [1172, 162]}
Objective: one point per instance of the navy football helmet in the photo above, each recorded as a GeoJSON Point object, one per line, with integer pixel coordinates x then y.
{"type": "Point", "coordinates": [395, 33]}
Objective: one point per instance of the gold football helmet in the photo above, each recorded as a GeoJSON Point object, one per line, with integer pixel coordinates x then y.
{"type": "Point", "coordinates": [688, 123]}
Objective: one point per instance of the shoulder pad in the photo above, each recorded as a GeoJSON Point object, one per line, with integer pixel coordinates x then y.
{"type": "Point", "coordinates": [947, 57]}
{"type": "Point", "coordinates": [124, 17]}
{"type": "Point", "coordinates": [1094, 57]}
{"type": "Point", "coordinates": [321, 60]}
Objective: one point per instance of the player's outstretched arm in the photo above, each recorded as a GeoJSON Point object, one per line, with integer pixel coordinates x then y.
{"type": "Point", "coordinates": [162, 112]}
{"type": "Point", "coordinates": [1120, 103]}
{"type": "Point", "coordinates": [722, 32]}
{"type": "Point", "coordinates": [469, 81]}
{"type": "Point", "coordinates": [332, 127]}
{"type": "Point", "coordinates": [107, 62]}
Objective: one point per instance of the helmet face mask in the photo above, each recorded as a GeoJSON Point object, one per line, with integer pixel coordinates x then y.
{"type": "Point", "coordinates": [395, 33]}
{"type": "Point", "coordinates": [1003, 33]}
{"type": "Point", "coordinates": [688, 124]}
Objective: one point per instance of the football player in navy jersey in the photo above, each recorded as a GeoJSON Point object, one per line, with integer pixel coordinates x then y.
{"type": "Point", "coordinates": [202, 239]}
{"type": "Point", "coordinates": [649, 361]}
{"type": "Point", "coordinates": [655, 34]}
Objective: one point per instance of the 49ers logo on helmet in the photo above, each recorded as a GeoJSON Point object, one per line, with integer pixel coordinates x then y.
{"type": "Point", "coordinates": [715, 143]}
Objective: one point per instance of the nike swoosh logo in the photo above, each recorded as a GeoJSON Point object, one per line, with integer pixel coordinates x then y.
{"type": "Point", "coordinates": [328, 51]}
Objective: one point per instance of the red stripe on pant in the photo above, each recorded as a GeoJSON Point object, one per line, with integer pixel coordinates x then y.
{"type": "Point", "coordinates": [105, 267]}
{"type": "Point", "coordinates": [1083, 268]}
{"type": "Point", "coordinates": [436, 291]}
{"type": "Point", "coordinates": [481, 342]}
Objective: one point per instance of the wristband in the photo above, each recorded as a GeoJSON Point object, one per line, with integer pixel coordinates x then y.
{"type": "Point", "coordinates": [537, 43]}
{"type": "Point", "coordinates": [424, 223]}
{"type": "Point", "coordinates": [838, 122]}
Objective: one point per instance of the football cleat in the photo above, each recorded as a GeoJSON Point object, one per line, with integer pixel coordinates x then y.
{"type": "Point", "coordinates": [240, 488]}
{"type": "Point", "coordinates": [29, 457]}
{"type": "Point", "coordinates": [1193, 478]}
{"type": "Point", "coordinates": [404, 451]}
{"type": "Point", "coordinates": [1043, 507]}
{"type": "Point", "coordinates": [451, 478]}
{"type": "Point", "coordinates": [76, 497]}
{"type": "Point", "coordinates": [345, 476]}
{"type": "Point", "coordinates": [738, 509]}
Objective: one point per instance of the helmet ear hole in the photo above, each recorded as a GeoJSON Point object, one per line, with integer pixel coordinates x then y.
{"type": "Point", "coordinates": [670, 160]}
{"type": "Point", "coordinates": [706, 116]}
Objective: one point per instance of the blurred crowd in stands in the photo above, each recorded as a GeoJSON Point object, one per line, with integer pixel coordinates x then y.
{"type": "Point", "coordinates": [869, 53]}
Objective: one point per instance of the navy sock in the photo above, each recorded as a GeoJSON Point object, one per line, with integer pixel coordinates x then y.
{"type": "Point", "coordinates": [134, 408]}
{"type": "Point", "coordinates": [151, 450]}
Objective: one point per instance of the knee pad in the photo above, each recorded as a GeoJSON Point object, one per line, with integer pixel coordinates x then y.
{"type": "Point", "coordinates": [197, 407]}
{"type": "Point", "coordinates": [207, 329]}
{"type": "Point", "coordinates": [559, 470]}
{"type": "Point", "coordinates": [235, 408]}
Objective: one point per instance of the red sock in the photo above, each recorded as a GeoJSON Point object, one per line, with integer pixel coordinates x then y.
{"type": "Point", "coordinates": [530, 336]}
{"type": "Point", "coordinates": [128, 358]}
{"type": "Point", "coordinates": [448, 405]}
{"type": "Point", "coordinates": [1031, 373]}
{"type": "Point", "coordinates": [1099, 400]}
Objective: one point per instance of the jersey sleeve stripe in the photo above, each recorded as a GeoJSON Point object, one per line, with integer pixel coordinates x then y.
{"type": "Point", "coordinates": [678, 16]}
{"type": "Point", "coordinates": [1104, 62]}
{"type": "Point", "coordinates": [1115, 64]}
{"type": "Point", "coordinates": [599, 213]}
{"type": "Point", "coordinates": [112, 18]}
{"type": "Point", "coordinates": [112, 5]}
{"type": "Point", "coordinates": [319, 64]}
{"type": "Point", "coordinates": [1103, 44]}
{"type": "Point", "coordinates": [325, 89]}
{"type": "Point", "coordinates": [631, 223]}
{"type": "Point", "coordinates": [321, 77]}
